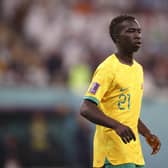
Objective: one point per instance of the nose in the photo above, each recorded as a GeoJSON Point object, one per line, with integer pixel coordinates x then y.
{"type": "Point", "coordinates": [138, 35]}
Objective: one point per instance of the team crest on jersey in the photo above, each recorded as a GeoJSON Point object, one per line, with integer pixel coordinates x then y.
{"type": "Point", "coordinates": [94, 88]}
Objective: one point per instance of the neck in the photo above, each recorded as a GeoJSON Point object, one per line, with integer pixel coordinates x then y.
{"type": "Point", "coordinates": [126, 58]}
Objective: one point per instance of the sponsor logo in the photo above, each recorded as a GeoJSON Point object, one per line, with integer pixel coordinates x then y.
{"type": "Point", "coordinates": [94, 88]}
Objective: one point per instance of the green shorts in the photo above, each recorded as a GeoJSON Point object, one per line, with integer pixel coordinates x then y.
{"type": "Point", "coordinates": [127, 165]}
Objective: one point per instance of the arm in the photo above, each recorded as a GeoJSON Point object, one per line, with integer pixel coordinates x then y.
{"type": "Point", "coordinates": [151, 139]}
{"type": "Point", "coordinates": [90, 111]}
{"type": "Point", "coordinates": [142, 129]}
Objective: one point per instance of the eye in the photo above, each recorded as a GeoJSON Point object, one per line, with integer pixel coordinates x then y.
{"type": "Point", "coordinates": [131, 30]}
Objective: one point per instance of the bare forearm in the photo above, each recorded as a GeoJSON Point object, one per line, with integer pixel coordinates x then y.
{"type": "Point", "coordinates": [142, 128]}
{"type": "Point", "coordinates": [90, 111]}
{"type": "Point", "coordinates": [151, 139]}
{"type": "Point", "coordinates": [93, 114]}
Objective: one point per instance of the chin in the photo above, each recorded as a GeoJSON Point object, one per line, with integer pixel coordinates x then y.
{"type": "Point", "coordinates": [135, 49]}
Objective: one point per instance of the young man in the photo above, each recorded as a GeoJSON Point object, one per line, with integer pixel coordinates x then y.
{"type": "Point", "coordinates": [113, 102]}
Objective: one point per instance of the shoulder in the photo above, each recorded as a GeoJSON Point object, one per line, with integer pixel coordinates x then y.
{"type": "Point", "coordinates": [105, 70]}
{"type": "Point", "coordinates": [139, 68]}
{"type": "Point", "coordinates": [139, 65]}
{"type": "Point", "coordinates": [108, 64]}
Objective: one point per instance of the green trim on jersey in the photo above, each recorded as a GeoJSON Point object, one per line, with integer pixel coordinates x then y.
{"type": "Point", "coordinates": [92, 99]}
{"type": "Point", "coordinates": [126, 165]}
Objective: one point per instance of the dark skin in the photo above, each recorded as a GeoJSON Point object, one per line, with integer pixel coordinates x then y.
{"type": "Point", "coordinates": [128, 41]}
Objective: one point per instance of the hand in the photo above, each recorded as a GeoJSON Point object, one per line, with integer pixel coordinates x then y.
{"type": "Point", "coordinates": [154, 143]}
{"type": "Point", "coordinates": [125, 133]}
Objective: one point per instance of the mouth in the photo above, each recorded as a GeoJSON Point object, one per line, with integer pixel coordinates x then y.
{"type": "Point", "coordinates": [138, 43]}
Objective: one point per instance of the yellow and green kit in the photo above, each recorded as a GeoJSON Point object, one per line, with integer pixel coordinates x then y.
{"type": "Point", "coordinates": [117, 89]}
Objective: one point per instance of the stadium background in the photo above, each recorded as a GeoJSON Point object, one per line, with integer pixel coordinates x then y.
{"type": "Point", "coordinates": [48, 51]}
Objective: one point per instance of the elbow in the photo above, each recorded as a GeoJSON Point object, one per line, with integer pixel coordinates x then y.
{"type": "Point", "coordinates": [84, 111]}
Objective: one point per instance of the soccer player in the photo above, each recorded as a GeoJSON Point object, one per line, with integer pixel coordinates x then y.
{"type": "Point", "coordinates": [113, 102]}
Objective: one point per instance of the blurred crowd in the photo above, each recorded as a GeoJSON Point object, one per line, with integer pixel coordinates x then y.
{"type": "Point", "coordinates": [59, 43]}
{"type": "Point", "coordinates": [45, 43]}
{"type": "Point", "coordinates": [44, 138]}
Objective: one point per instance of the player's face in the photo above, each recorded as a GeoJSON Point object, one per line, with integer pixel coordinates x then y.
{"type": "Point", "coordinates": [130, 36]}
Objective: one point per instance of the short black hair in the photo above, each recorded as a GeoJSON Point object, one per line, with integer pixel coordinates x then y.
{"type": "Point", "coordinates": [114, 28]}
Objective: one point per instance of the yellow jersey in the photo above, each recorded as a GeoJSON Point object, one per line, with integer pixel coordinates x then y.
{"type": "Point", "coordinates": [117, 90]}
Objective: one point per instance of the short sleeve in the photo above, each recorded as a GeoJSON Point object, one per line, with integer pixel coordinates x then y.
{"type": "Point", "coordinates": [99, 85]}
